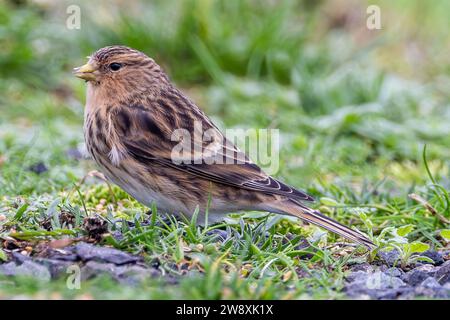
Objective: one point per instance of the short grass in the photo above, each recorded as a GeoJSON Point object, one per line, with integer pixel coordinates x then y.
{"type": "Point", "coordinates": [355, 109]}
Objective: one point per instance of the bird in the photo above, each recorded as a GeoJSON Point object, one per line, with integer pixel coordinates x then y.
{"type": "Point", "coordinates": [131, 114]}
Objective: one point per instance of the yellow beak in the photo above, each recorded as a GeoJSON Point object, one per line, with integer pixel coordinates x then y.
{"type": "Point", "coordinates": [85, 72]}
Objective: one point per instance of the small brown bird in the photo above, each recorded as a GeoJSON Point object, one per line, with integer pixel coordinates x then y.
{"type": "Point", "coordinates": [132, 111]}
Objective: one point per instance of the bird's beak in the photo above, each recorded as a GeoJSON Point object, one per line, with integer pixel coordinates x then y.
{"type": "Point", "coordinates": [85, 72]}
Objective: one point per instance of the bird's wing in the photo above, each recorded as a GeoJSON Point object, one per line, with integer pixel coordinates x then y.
{"type": "Point", "coordinates": [148, 139]}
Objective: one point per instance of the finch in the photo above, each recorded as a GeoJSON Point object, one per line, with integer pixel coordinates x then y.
{"type": "Point", "coordinates": [132, 112]}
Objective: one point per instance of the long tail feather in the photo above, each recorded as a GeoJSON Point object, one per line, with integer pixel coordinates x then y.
{"type": "Point", "coordinates": [315, 217]}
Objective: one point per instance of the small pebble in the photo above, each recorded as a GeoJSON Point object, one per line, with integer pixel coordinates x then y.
{"type": "Point", "coordinates": [415, 277]}
{"type": "Point", "coordinates": [74, 154]}
{"type": "Point", "coordinates": [38, 168]}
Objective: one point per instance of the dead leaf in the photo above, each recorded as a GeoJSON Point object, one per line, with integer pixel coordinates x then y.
{"type": "Point", "coordinates": [61, 243]}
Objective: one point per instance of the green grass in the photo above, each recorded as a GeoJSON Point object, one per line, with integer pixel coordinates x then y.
{"type": "Point", "coordinates": [354, 118]}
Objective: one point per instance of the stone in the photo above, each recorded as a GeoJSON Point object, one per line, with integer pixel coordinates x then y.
{"type": "Point", "coordinates": [74, 154]}
{"type": "Point", "coordinates": [377, 285]}
{"type": "Point", "coordinates": [93, 269]}
{"type": "Point", "coordinates": [381, 281]}
{"type": "Point", "coordinates": [436, 256]}
{"type": "Point", "coordinates": [365, 267]}
{"type": "Point", "coordinates": [391, 258]}
{"type": "Point", "coordinates": [8, 269]}
{"type": "Point", "coordinates": [394, 272]}
{"type": "Point", "coordinates": [219, 235]}
{"type": "Point", "coordinates": [65, 257]}
{"type": "Point", "coordinates": [406, 293]}
{"type": "Point", "coordinates": [38, 168]}
{"type": "Point", "coordinates": [88, 252]}
{"type": "Point", "coordinates": [415, 276]}
{"type": "Point", "coordinates": [35, 270]}
{"type": "Point", "coordinates": [431, 288]}
{"type": "Point", "coordinates": [117, 235]}
{"type": "Point", "coordinates": [391, 294]}
{"type": "Point", "coordinates": [126, 274]}
{"type": "Point", "coordinates": [428, 268]}
{"type": "Point", "coordinates": [443, 273]}
{"type": "Point", "coordinates": [356, 275]}
{"type": "Point", "coordinates": [57, 268]}
{"type": "Point", "coordinates": [430, 282]}
{"type": "Point", "coordinates": [134, 274]}
{"type": "Point", "coordinates": [28, 269]}
{"type": "Point", "coordinates": [66, 254]}
{"type": "Point", "coordinates": [19, 258]}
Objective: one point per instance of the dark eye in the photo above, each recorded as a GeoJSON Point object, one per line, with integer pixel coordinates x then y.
{"type": "Point", "coordinates": [115, 66]}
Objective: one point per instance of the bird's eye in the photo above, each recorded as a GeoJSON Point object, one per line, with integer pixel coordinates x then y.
{"type": "Point", "coordinates": [115, 66]}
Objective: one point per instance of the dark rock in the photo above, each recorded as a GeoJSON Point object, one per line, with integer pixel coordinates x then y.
{"type": "Point", "coordinates": [53, 263]}
{"type": "Point", "coordinates": [56, 267]}
{"type": "Point", "coordinates": [391, 258]}
{"type": "Point", "coordinates": [428, 268]}
{"type": "Point", "coordinates": [117, 235]}
{"type": "Point", "coordinates": [93, 269]}
{"type": "Point", "coordinates": [406, 293]}
{"type": "Point", "coordinates": [66, 254]}
{"type": "Point", "coordinates": [431, 283]}
{"type": "Point", "coordinates": [19, 258]}
{"type": "Point", "coordinates": [127, 274]}
{"type": "Point", "coordinates": [356, 276]}
{"type": "Point", "coordinates": [391, 294]}
{"type": "Point", "coordinates": [436, 256]}
{"type": "Point", "coordinates": [8, 269]}
{"type": "Point", "coordinates": [155, 263]}
{"type": "Point", "coordinates": [34, 270]}
{"type": "Point", "coordinates": [88, 252]}
{"type": "Point", "coordinates": [27, 268]}
{"type": "Point", "coordinates": [415, 276]}
{"type": "Point", "coordinates": [74, 154]}
{"type": "Point", "coordinates": [362, 267]}
{"type": "Point", "coordinates": [38, 168]}
{"type": "Point", "coordinates": [220, 235]}
{"type": "Point", "coordinates": [431, 288]}
{"type": "Point", "coordinates": [381, 281]}
{"type": "Point", "coordinates": [376, 285]}
{"type": "Point", "coordinates": [394, 272]}
{"type": "Point", "coordinates": [384, 268]}
{"type": "Point", "coordinates": [443, 273]}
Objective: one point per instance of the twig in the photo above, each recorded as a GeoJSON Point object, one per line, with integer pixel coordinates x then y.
{"type": "Point", "coordinates": [429, 207]}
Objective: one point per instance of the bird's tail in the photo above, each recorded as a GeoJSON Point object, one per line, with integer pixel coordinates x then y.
{"type": "Point", "coordinates": [301, 211]}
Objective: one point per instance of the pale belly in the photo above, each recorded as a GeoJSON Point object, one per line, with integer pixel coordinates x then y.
{"type": "Point", "coordinates": [167, 205]}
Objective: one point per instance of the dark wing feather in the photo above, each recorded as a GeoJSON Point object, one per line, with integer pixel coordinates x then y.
{"type": "Point", "coordinates": [148, 141]}
{"type": "Point", "coordinates": [247, 176]}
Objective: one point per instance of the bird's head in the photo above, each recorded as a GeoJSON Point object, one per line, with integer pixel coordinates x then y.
{"type": "Point", "coordinates": [119, 68]}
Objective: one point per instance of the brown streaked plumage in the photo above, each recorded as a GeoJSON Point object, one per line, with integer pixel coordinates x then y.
{"type": "Point", "coordinates": [132, 110]}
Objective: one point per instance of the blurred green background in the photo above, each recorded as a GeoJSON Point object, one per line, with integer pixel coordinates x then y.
{"type": "Point", "coordinates": [355, 107]}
